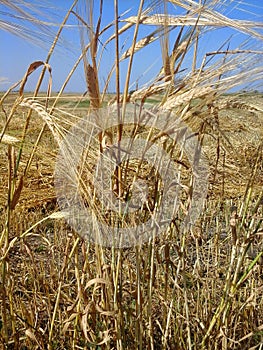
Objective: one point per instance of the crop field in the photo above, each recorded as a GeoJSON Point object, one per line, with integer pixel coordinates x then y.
{"type": "Point", "coordinates": [61, 287]}
{"type": "Point", "coordinates": [195, 284]}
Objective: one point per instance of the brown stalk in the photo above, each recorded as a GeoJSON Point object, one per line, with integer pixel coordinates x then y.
{"type": "Point", "coordinates": [41, 77]}
{"type": "Point", "coordinates": [91, 71]}
{"type": "Point", "coordinates": [128, 75]}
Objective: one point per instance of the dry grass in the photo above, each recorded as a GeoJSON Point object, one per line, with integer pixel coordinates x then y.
{"type": "Point", "coordinates": [197, 288]}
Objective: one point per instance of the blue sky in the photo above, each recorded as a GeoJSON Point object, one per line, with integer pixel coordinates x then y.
{"type": "Point", "coordinates": [17, 53]}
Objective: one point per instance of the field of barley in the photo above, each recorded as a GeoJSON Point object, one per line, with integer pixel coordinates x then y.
{"type": "Point", "coordinates": [196, 286]}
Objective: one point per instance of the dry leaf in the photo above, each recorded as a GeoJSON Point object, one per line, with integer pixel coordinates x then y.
{"type": "Point", "coordinates": [17, 193]}
{"type": "Point", "coordinates": [33, 66]}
